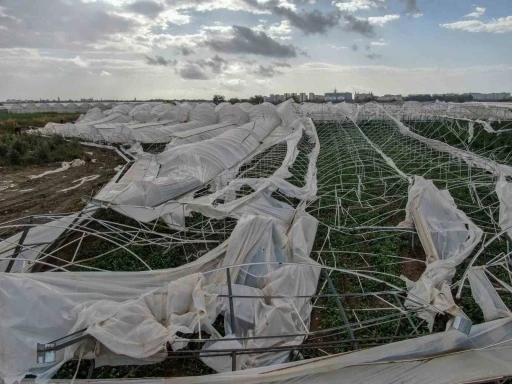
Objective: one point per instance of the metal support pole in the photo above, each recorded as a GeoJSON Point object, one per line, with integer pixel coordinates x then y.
{"type": "Point", "coordinates": [18, 249]}
{"type": "Point", "coordinates": [231, 317]}
{"type": "Point", "coordinates": [342, 310]}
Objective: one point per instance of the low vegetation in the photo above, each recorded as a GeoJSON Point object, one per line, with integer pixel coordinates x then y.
{"type": "Point", "coordinates": [31, 149]}
{"type": "Point", "coordinates": [26, 120]}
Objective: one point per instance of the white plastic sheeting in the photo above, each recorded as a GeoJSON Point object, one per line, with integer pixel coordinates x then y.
{"type": "Point", "coordinates": [136, 314]}
{"type": "Point", "coordinates": [84, 130]}
{"type": "Point", "coordinates": [201, 116]}
{"type": "Point", "coordinates": [229, 117]}
{"type": "Point", "coordinates": [486, 296]}
{"type": "Point", "coordinates": [448, 237]}
{"type": "Point", "coordinates": [186, 167]}
{"type": "Point", "coordinates": [175, 211]}
{"type": "Point", "coordinates": [164, 177]}
{"type": "Point", "coordinates": [442, 358]}
{"type": "Point", "coordinates": [93, 114]}
{"type": "Point", "coordinates": [504, 192]}
{"type": "Point", "coordinates": [116, 124]}
{"type": "Point", "coordinates": [37, 239]}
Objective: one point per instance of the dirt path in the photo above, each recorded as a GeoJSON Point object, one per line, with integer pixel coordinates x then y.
{"type": "Point", "coordinates": [23, 196]}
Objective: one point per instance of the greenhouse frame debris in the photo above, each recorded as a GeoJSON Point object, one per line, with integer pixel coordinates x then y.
{"type": "Point", "coordinates": [284, 217]}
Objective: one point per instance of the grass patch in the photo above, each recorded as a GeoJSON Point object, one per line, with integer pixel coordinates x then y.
{"type": "Point", "coordinates": [26, 120]}
{"type": "Point", "coordinates": [34, 149]}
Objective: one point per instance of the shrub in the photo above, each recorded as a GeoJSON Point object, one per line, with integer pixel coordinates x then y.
{"type": "Point", "coordinates": [41, 154]}
{"type": "Point", "coordinates": [19, 146]}
{"type": "Point", "coordinates": [14, 157]}
{"type": "Point", "coordinates": [4, 150]}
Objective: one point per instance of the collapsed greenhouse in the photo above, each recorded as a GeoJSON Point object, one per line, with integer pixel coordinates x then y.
{"type": "Point", "coordinates": [299, 243]}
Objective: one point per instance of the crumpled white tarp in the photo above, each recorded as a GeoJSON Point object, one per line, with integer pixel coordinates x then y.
{"type": "Point", "coordinates": [229, 117]}
{"type": "Point", "coordinates": [83, 130]}
{"type": "Point", "coordinates": [93, 114]}
{"type": "Point", "coordinates": [189, 166]}
{"type": "Point", "coordinates": [174, 212]}
{"type": "Point", "coordinates": [135, 314]}
{"type": "Point", "coordinates": [486, 296]}
{"type": "Point", "coordinates": [441, 358]}
{"type": "Point", "coordinates": [201, 116]}
{"type": "Point", "coordinates": [504, 192]}
{"type": "Point", "coordinates": [448, 237]}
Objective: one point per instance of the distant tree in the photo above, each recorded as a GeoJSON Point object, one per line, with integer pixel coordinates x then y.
{"type": "Point", "coordinates": [234, 100]}
{"type": "Point", "coordinates": [217, 99]}
{"type": "Point", "coordinates": [296, 98]}
{"type": "Point", "coordinates": [258, 99]}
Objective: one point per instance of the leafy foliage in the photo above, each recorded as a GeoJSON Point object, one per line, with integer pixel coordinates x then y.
{"type": "Point", "coordinates": [217, 99]}
{"type": "Point", "coordinates": [31, 149]}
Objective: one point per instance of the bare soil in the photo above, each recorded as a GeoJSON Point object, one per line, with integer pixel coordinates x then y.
{"type": "Point", "coordinates": [414, 269]}
{"type": "Point", "coordinates": [24, 196]}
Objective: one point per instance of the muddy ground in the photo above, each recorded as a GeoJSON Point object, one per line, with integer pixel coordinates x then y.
{"type": "Point", "coordinates": [21, 196]}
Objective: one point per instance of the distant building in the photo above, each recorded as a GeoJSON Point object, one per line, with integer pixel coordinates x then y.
{"type": "Point", "coordinates": [490, 96]}
{"type": "Point", "coordinates": [390, 98]}
{"type": "Point", "coordinates": [364, 96]}
{"type": "Point", "coordinates": [303, 97]}
{"type": "Point", "coordinates": [286, 96]}
{"type": "Point", "coordinates": [311, 96]}
{"type": "Point", "coordinates": [338, 96]}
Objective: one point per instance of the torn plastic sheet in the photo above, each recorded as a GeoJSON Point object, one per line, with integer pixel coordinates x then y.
{"type": "Point", "coordinates": [84, 130]}
{"type": "Point", "coordinates": [37, 239]}
{"type": "Point", "coordinates": [229, 116]}
{"type": "Point", "coordinates": [135, 314]}
{"type": "Point", "coordinates": [441, 358]}
{"type": "Point", "coordinates": [470, 158]}
{"type": "Point", "coordinates": [486, 296]}
{"type": "Point", "coordinates": [504, 192]}
{"type": "Point", "coordinates": [448, 237]}
{"type": "Point", "coordinates": [174, 212]}
{"type": "Point", "coordinates": [189, 166]}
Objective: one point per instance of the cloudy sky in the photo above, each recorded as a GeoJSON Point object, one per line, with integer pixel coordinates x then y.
{"type": "Point", "coordinates": [195, 48]}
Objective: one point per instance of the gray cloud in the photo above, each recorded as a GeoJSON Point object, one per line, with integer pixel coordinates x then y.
{"type": "Point", "coordinates": [59, 24]}
{"type": "Point", "coordinates": [314, 22]}
{"type": "Point", "coordinates": [145, 7]}
{"type": "Point", "coordinates": [185, 51]}
{"type": "Point", "coordinates": [373, 56]}
{"type": "Point", "coordinates": [354, 47]}
{"type": "Point", "coordinates": [159, 60]}
{"type": "Point", "coordinates": [245, 40]}
{"type": "Point", "coordinates": [193, 72]}
{"type": "Point", "coordinates": [281, 64]}
{"type": "Point", "coordinates": [308, 22]}
{"type": "Point", "coordinates": [216, 64]}
{"type": "Point", "coordinates": [361, 26]}
{"type": "Point", "coordinates": [411, 6]}
{"type": "Point", "coordinates": [268, 71]}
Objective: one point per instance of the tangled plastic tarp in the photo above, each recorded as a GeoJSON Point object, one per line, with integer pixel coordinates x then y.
{"type": "Point", "coordinates": [134, 315]}
{"type": "Point", "coordinates": [36, 240]}
{"type": "Point", "coordinates": [155, 179]}
{"type": "Point", "coordinates": [448, 237]}
{"type": "Point", "coordinates": [174, 212]}
{"type": "Point", "coordinates": [117, 125]}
